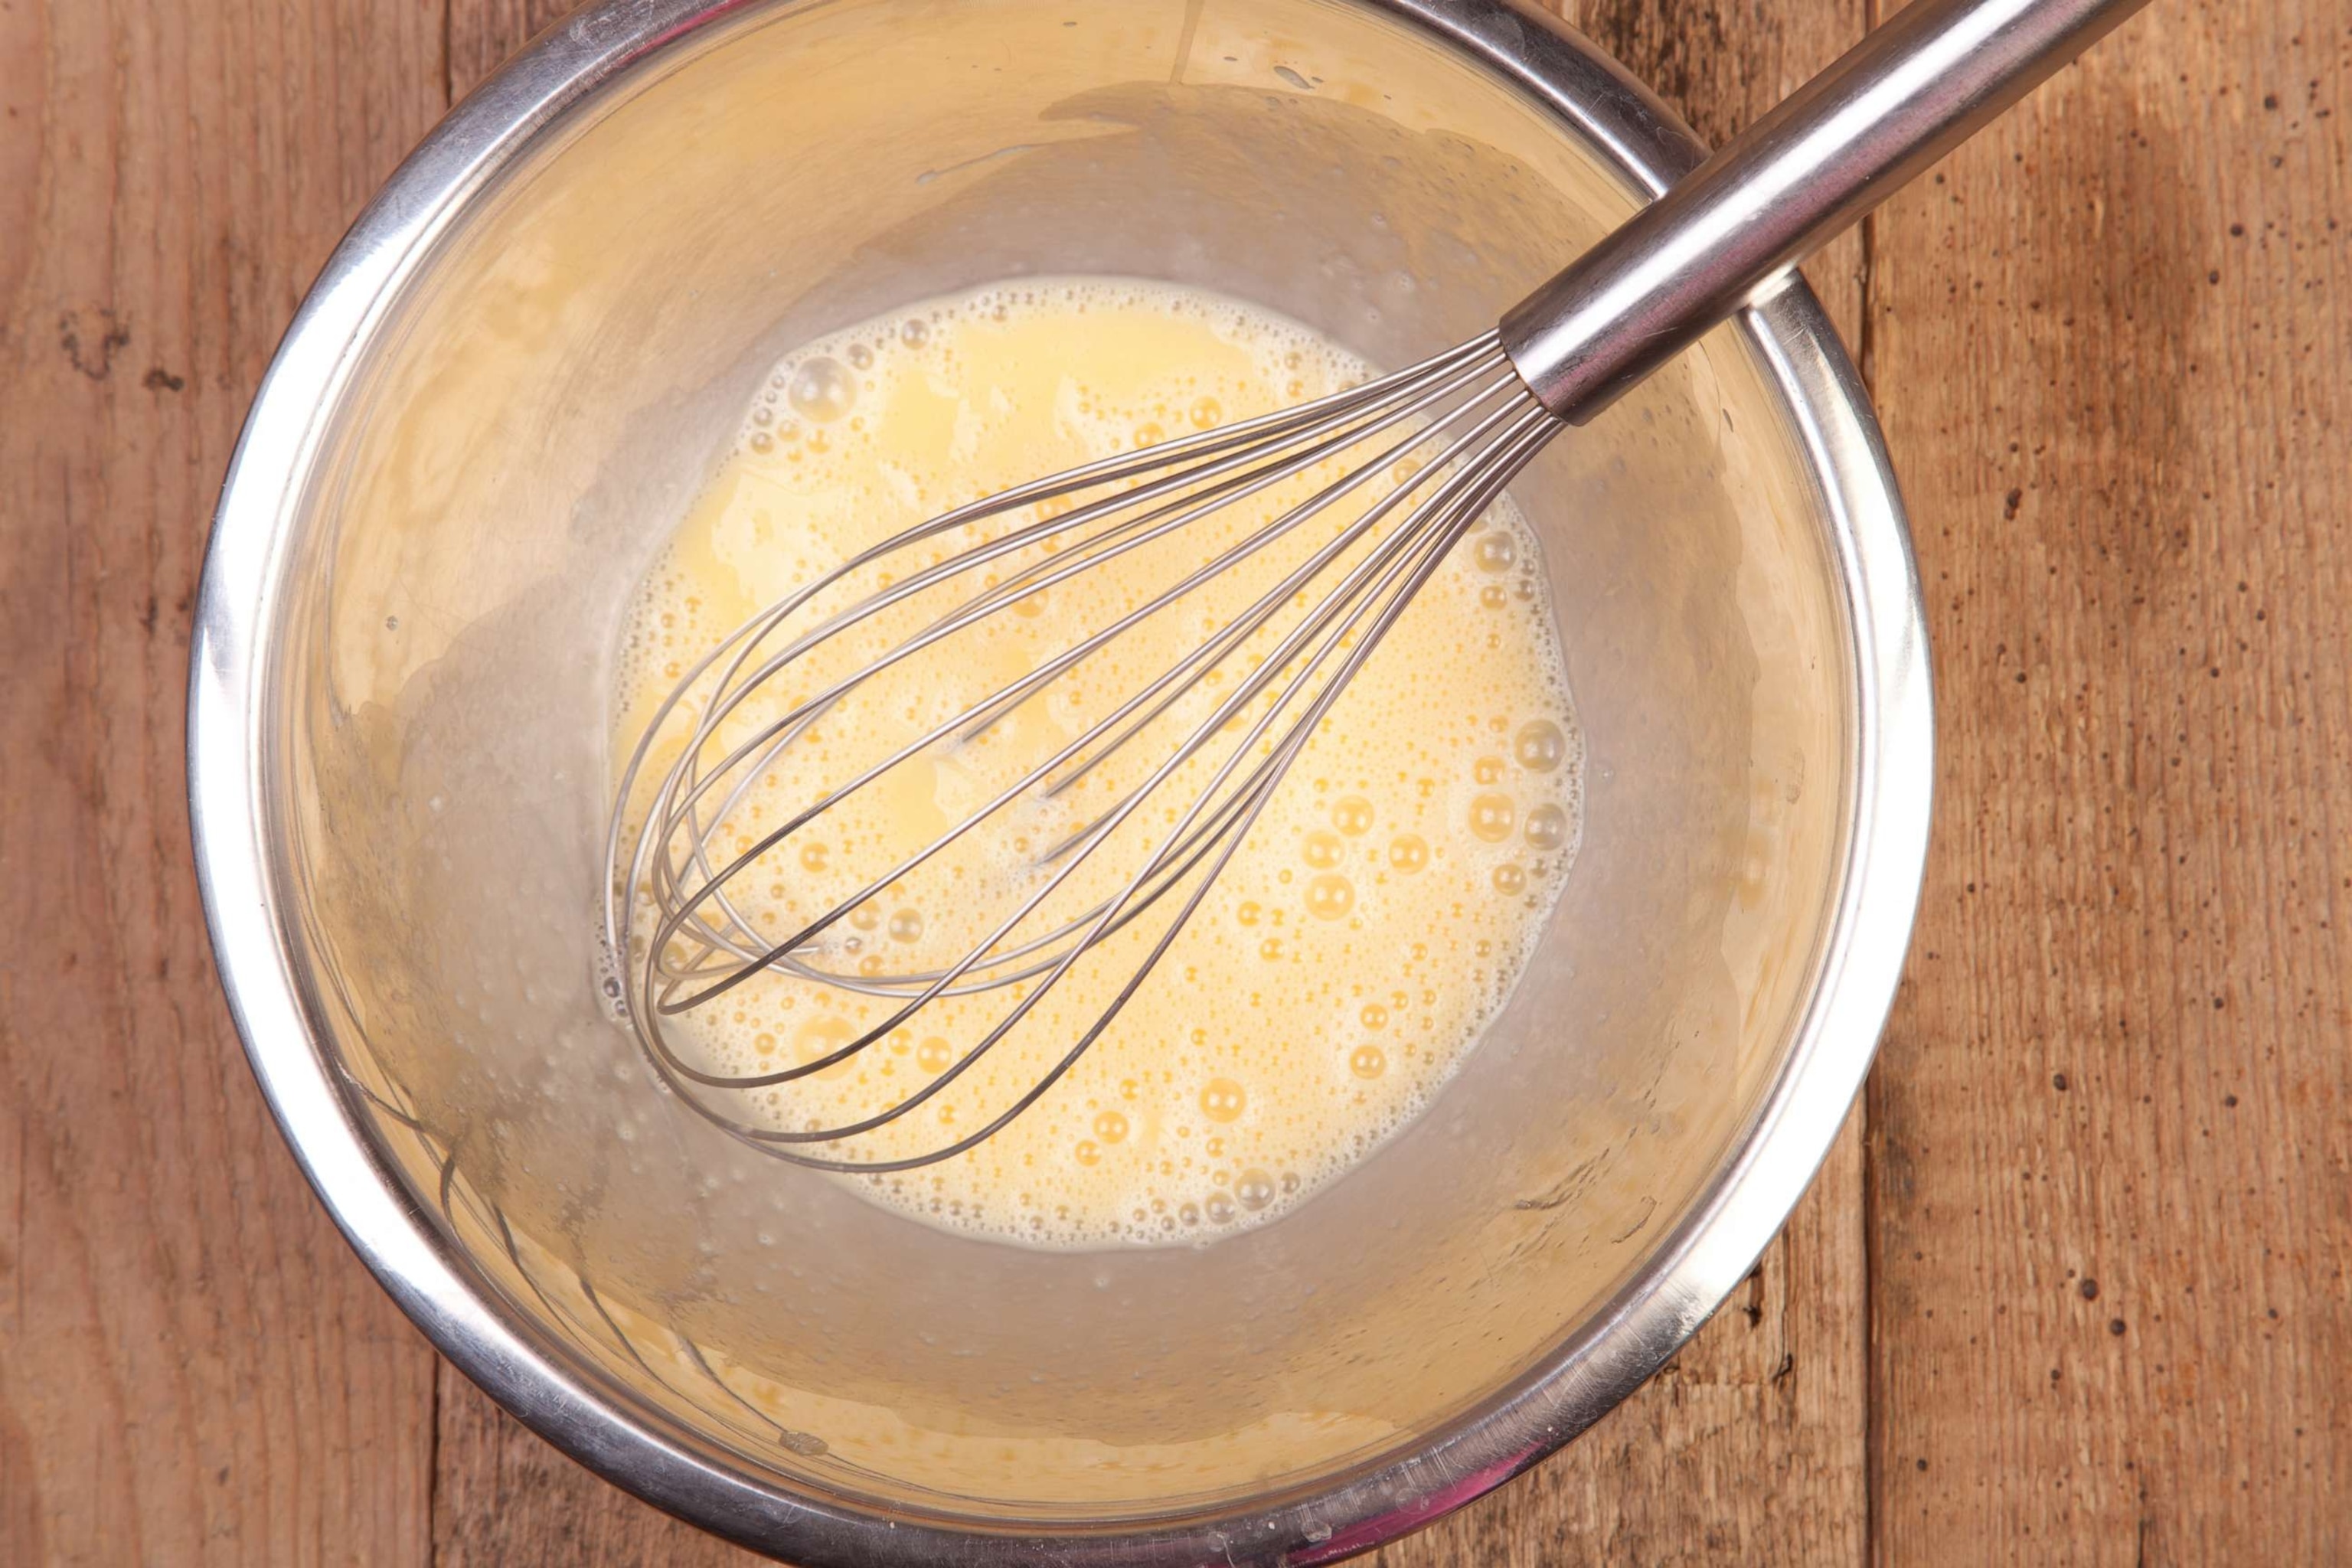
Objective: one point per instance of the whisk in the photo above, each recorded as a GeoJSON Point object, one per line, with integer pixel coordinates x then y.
{"type": "Point", "coordinates": [1398, 469]}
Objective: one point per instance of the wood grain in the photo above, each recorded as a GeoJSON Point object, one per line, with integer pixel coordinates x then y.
{"type": "Point", "coordinates": [2099, 1233]}
{"type": "Point", "coordinates": [192, 1368]}
{"type": "Point", "coordinates": [2111, 1160]}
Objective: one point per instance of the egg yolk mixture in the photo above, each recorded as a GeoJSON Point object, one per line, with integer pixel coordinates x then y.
{"type": "Point", "coordinates": [1354, 948]}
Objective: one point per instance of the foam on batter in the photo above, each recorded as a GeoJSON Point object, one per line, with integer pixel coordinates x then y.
{"type": "Point", "coordinates": [1356, 946]}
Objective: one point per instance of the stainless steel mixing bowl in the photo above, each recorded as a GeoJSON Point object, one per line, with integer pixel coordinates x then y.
{"type": "Point", "coordinates": [507, 383]}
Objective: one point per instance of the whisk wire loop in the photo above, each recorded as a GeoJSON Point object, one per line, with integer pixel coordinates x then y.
{"type": "Point", "coordinates": [1448, 434]}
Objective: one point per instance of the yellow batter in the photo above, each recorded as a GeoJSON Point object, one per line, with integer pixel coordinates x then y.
{"type": "Point", "coordinates": [1354, 948]}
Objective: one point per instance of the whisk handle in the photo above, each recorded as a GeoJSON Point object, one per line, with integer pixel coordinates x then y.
{"type": "Point", "coordinates": [1896, 102]}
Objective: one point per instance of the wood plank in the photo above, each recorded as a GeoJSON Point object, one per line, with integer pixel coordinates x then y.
{"type": "Point", "coordinates": [193, 1367]}
{"type": "Point", "coordinates": [2111, 1158]}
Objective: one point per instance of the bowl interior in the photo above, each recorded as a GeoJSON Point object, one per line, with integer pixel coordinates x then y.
{"type": "Point", "coordinates": [529, 414]}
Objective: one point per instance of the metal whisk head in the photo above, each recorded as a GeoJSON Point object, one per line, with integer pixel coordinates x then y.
{"type": "Point", "coordinates": [1095, 846]}
{"type": "Point", "coordinates": [1184, 758]}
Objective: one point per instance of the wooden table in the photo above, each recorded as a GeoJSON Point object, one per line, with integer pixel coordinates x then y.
{"type": "Point", "coordinates": [2076, 1285]}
